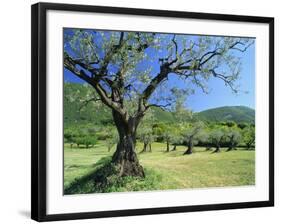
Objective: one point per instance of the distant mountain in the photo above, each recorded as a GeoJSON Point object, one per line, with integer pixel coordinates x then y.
{"type": "Point", "coordinates": [238, 114]}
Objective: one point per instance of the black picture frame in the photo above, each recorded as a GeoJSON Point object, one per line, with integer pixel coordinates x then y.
{"type": "Point", "coordinates": [39, 123]}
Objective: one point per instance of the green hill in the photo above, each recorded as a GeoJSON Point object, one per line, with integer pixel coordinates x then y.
{"type": "Point", "coordinates": [75, 95]}
{"type": "Point", "coordinates": [161, 115]}
{"type": "Point", "coordinates": [77, 111]}
{"type": "Point", "coordinates": [96, 113]}
{"type": "Point", "coordinates": [238, 114]}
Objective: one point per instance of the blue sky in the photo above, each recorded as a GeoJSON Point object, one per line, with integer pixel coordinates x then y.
{"type": "Point", "coordinates": [219, 94]}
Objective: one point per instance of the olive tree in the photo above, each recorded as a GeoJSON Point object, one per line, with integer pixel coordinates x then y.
{"type": "Point", "coordinates": [205, 138]}
{"type": "Point", "coordinates": [146, 137]}
{"type": "Point", "coordinates": [191, 135]}
{"type": "Point", "coordinates": [86, 140]}
{"type": "Point", "coordinates": [249, 136]}
{"type": "Point", "coordinates": [69, 136]}
{"type": "Point", "coordinates": [165, 133]}
{"type": "Point", "coordinates": [217, 136]}
{"type": "Point", "coordinates": [176, 140]}
{"type": "Point", "coordinates": [129, 72]}
{"type": "Point", "coordinates": [167, 136]}
{"type": "Point", "coordinates": [233, 138]}
{"type": "Point", "coordinates": [111, 140]}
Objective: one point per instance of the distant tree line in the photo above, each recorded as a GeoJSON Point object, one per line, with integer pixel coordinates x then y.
{"type": "Point", "coordinates": [212, 136]}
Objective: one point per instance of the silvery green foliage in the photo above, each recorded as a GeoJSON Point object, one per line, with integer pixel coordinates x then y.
{"type": "Point", "coordinates": [249, 136]}
{"type": "Point", "coordinates": [145, 134]}
{"type": "Point", "coordinates": [145, 130]}
{"type": "Point", "coordinates": [234, 136]}
{"type": "Point", "coordinates": [191, 132]}
{"type": "Point", "coordinates": [129, 61]}
{"type": "Point", "coordinates": [218, 135]}
{"type": "Point", "coordinates": [112, 139]}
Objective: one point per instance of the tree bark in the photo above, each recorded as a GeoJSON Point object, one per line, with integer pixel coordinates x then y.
{"type": "Point", "coordinates": [168, 146]}
{"type": "Point", "coordinates": [217, 149]}
{"type": "Point", "coordinates": [248, 146]}
{"type": "Point", "coordinates": [125, 156]}
{"type": "Point", "coordinates": [230, 148]}
{"type": "Point", "coordinates": [231, 145]}
{"type": "Point", "coordinates": [189, 148]}
{"type": "Point", "coordinates": [174, 148]}
{"type": "Point", "coordinates": [208, 148]}
{"type": "Point", "coordinates": [144, 147]}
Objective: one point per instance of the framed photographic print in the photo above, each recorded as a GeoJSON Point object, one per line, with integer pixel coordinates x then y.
{"type": "Point", "coordinates": [139, 111]}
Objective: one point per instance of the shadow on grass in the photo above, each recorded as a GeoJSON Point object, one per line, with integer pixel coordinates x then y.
{"type": "Point", "coordinates": [95, 181]}
{"type": "Point", "coordinates": [105, 178]}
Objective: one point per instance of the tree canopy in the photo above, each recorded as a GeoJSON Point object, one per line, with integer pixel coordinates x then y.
{"type": "Point", "coordinates": [128, 70]}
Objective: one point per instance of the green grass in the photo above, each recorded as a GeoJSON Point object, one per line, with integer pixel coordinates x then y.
{"type": "Point", "coordinates": [163, 170]}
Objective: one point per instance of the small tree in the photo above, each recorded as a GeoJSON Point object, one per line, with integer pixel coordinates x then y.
{"type": "Point", "coordinates": [217, 137]}
{"type": "Point", "coordinates": [176, 140]}
{"type": "Point", "coordinates": [145, 132]}
{"type": "Point", "coordinates": [111, 140]}
{"type": "Point", "coordinates": [90, 141]}
{"type": "Point", "coordinates": [86, 140]}
{"type": "Point", "coordinates": [167, 136]}
{"type": "Point", "coordinates": [146, 137]}
{"type": "Point", "coordinates": [164, 132]}
{"type": "Point", "coordinates": [69, 136]}
{"type": "Point", "coordinates": [191, 135]}
{"type": "Point", "coordinates": [249, 136]}
{"type": "Point", "coordinates": [180, 112]}
{"type": "Point", "coordinates": [233, 138]}
{"type": "Point", "coordinates": [205, 139]}
{"type": "Point", "coordinates": [158, 130]}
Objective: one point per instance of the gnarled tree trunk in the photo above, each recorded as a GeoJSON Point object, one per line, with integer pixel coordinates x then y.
{"type": "Point", "coordinates": [230, 148]}
{"type": "Point", "coordinates": [150, 149]}
{"type": "Point", "coordinates": [189, 148]}
{"type": "Point", "coordinates": [217, 149]}
{"type": "Point", "coordinates": [144, 147]}
{"type": "Point", "coordinates": [125, 156]}
{"type": "Point", "coordinates": [167, 146]}
{"type": "Point", "coordinates": [231, 145]}
{"type": "Point", "coordinates": [208, 148]}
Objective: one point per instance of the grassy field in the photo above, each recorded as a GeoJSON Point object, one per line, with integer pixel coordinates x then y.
{"type": "Point", "coordinates": [163, 170]}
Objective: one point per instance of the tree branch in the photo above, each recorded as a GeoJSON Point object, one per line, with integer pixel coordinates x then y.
{"type": "Point", "coordinates": [164, 71]}
{"type": "Point", "coordinates": [225, 79]}
{"type": "Point", "coordinates": [241, 49]}
{"type": "Point", "coordinates": [159, 106]}
{"type": "Point", "coordinates": [114, 49]}
{"type": "Point", "coordinates": [212, 54]}
{"type": "Point", "coordinates": [70, 64]}
{"type": "Point", "coordinates": [121, 38]}
{"type": "Point", "coordinates": [86, 102]}
{"type": "Point", "coordinates": [176, 51]}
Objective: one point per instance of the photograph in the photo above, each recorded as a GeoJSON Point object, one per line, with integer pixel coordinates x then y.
{"type": "Point", "coordinates": [151, 111]}
{"type": "Point", "coordinates": [139, 112]}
